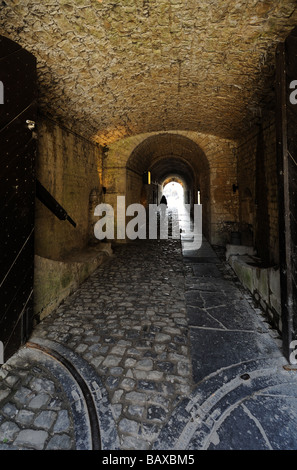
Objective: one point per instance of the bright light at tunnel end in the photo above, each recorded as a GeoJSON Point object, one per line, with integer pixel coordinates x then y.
{"type": "Point", "coordinates": [148, 224]}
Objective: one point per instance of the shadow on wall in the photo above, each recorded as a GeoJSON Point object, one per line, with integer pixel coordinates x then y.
{"type": "Point", "coordinates": [69, 167]}
{"type": "Point", "coordinates": [56, 280]}
{"type": "Point", "coordinates": [247, 218]}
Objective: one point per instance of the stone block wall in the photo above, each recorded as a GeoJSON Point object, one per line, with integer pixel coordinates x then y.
{"type": "Point", "coordinates": [258, 191]}
{"type": "Point", "coordinates": [70, 168]}
{"type": "Point", "coordinates": [272, 186]}
{"type": "Point", "coordinates": [135, 192]}
{"type": "Point", "coordinates": [224, 202]}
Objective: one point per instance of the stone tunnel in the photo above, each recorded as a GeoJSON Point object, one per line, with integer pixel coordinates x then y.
{"type": "Point", "coordinates": [196, 93]}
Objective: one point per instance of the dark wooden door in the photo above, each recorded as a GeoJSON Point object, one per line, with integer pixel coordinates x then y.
{"type": "Point", "coordinates": [287, 169]}
{"type": "Point", "coordinates": [17, 193]}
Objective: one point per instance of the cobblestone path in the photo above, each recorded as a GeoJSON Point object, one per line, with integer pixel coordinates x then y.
{"type": "Point", "coordinates": [128, 321]}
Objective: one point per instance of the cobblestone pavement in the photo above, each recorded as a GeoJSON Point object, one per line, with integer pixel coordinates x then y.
{"type": "Point", "coordinates": [128, 321]}
{"type": "Point", "coordinates": [159, 349]}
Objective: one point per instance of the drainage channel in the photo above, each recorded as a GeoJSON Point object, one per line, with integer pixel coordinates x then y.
{"type": "Point", "coordinates": [95, 428]}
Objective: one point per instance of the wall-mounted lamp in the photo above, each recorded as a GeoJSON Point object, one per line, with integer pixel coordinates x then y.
{"type": "Point", "coordinates": [146, 178]}
{"type": "Point", "coordinates": [104, 190]}
{"type": "Point", "coordinates": [105, 149]}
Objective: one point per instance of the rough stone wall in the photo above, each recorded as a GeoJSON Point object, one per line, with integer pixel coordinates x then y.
{"type": "Point", "coordinates": [224, 202]}
{"type": "Point", "coordinates": [69, 167]}
{"type": "Point", "coordinates": [135, 189]}
{"type": "Point", "coordinates": [272, 187]}
{"type": "Point", "coordinates": [257, 172]}
{"type": "Point", "coordinates": [118, 68]}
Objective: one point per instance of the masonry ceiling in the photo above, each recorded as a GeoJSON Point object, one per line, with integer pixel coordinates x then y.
{"type": "Point", "coordinates": [112, 69]}
{"type": "Point", "coordinates": [161, 170]}
{"type": "Point", "coordinates": [166, 147]}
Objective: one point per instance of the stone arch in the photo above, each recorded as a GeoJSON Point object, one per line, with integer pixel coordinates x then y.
{"type": "Point", "coordinates": [211, 158]}
{"type": "Point", "coordinates": [169, 155]}
{"type": "Point", "coordinates": [174, 167]}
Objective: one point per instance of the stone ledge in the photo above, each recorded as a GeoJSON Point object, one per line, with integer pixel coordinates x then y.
{"type": "Point", "coordinates": [54, 280]}
{"type": "Point", "coordinates": [239, 250]}
{"type": "Point", "coordinates": [262, 282]}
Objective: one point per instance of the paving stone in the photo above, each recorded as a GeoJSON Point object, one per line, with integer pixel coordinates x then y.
{"type": "Point", "coordinates": [31, 439]}
{"type": "Point", "coordinates": [128, 426]}
{"type": "Point", "coordinates": [136, 411]}
{"type": "Point", "coordinates": [24, 395]}
{"type": "Point", "coordinates": [112, 382]}
{"type": "Point", "coordinates": [45, 419]}
{"type": "Point", "coordinates": [25, 417]}
{"type": "Point", "coordinates": [39, 401]}
{"type": "Point", "coordinates": [117, 396]}
{"type": "Point", "coordinates": [62, 423]}
{"type": "Point", "coordinates": [148, 385]}
{"type": "Point", "coordinates": [41, 385]}
{"type": "Point", "coordinates": [159, 348]}
{"type": "Point", "coordinates": [112, 361]}
{"type": "Point", "coordinates": [8, 430]}
{"type": "Point", "coordinates": [94, 349]}
{"type": "Point", "coordinates": [130, 362]}
{"type": "Point", "coordinates": [148, 375]}
{"type": "Point", "coordinates": [180, 339]}
{"type": "Point", "coordinates": [97, 361]}
{"type": "Point", "coordinates": [177, 357]}
{"type": "Point", "coordinates": [144, 364]}
{"type": "Point", "coordinates": [127, 384]}
{"type": "Point", "coordinates": [81, 348]}
{"type": "Point", "coordinates": [10, 410]}
{"type": "Point", "coordinates": [135, 397]}
{"type": "Point", "coordinates": [117, 371]}
{"type": "Point", "coordinates": [166, 366]}
{"type": "Point", "coordinates": [134, 352]}
{"type": "Point", "coordinates": [134, 443]}
{"type": "Point", "coordinates": [11, 380]}
{"type": "Point", "coordinates": [184, 368]}
{"type": "Point", "coordinates": [118, 350]}
{"type": "Point", "coordinates": [60, 442]}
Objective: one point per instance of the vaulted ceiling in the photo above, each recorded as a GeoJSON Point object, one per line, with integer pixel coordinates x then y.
{"type": "Point", "coordinates": [155, 152]}
{"type": "Point", "coordinates": [108, 69]}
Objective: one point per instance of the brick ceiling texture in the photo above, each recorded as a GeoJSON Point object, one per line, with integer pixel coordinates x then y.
{"type": "Point", "coordinates": [110, 69]}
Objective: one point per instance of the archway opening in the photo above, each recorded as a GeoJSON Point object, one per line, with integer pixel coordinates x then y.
{"type": "Point", "coordinates": [169, 157]}
{"type": "Point", "coordinates": [174, 193]}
